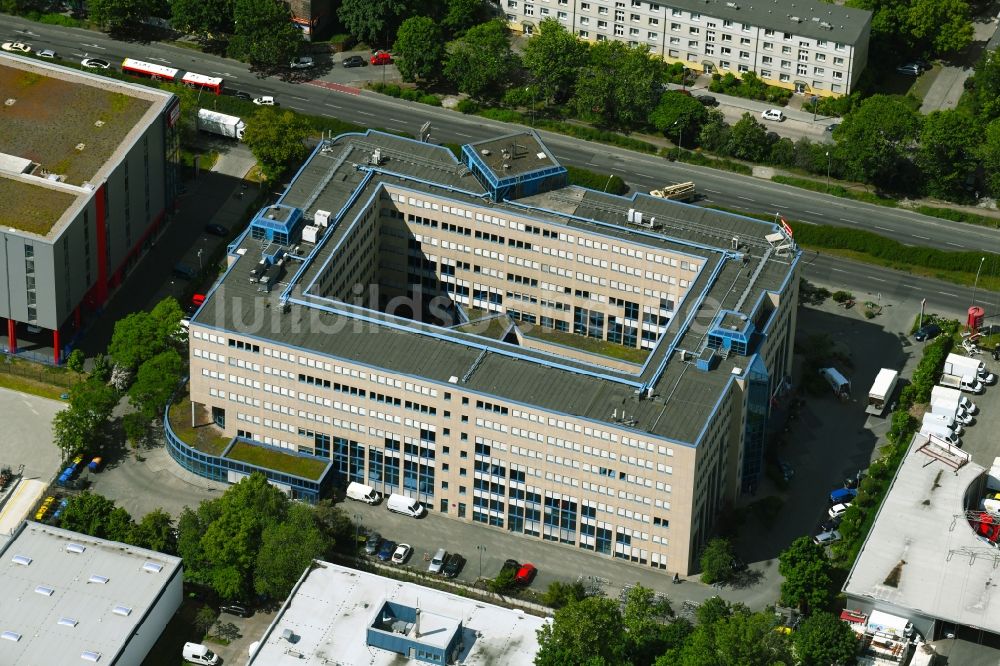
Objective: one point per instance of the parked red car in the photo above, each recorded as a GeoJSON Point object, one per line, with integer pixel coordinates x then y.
{"type": "Point", "coordinates": [381, 58]}
{"type": "Point", "coordinates": [525, 574]}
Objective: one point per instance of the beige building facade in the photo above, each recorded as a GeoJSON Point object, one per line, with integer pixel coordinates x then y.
{"type": "Point", "coordinates": [567, 376]}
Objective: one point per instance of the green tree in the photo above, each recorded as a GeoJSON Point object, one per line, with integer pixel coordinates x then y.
{"type": "Point", "coordinates": [560, 594]}
{"type": "Point", "coordinates": [735, 637]}
{"type": "Point", "coordinates": [338, 528]}
{"type": "Point", "coordinates": [679, 117]}
{"type": "Point", "coordinates": [875, 141]}
{"type": "Point", "coordinates": [265, 36]}
{"type": "Point", "coordinates": [717, 561]}
{"type": "Point", "coordinates": [286, 550]}
{"type": "Point", "coordinates": [206, 19]}
{"type": "Point", "coordinates": [586, 632]}
{"type": "Point", "coordinates": [748, 140]}
{"type": "Point", "coordinates": [941, 26]}
{"type": "Point", "coordinates": [645, 620]}
{"type": "Point", "coordinates": [481, 64]}
{"type": "Point", "coordinates": [135, 428]}
{"type": "Point", "coordinates": [419, 49]}
{"type": "Point", "coordinates": [89, 513]}
{"type": "Point", "coordinates": [806, 571]}
{"type": "Point", "coordinates": [276, 139]}
{"type": "Point", "coordinates": [375, 22]}
{"type": "Point", "coordinates": [119, 526]}
{"type": "Point", "coordinates": [714, 135]}
{"type": "Point", "coordinates": [618, 85]}
{"type": "Point", "coordinates": [986, 85]}
{"type": "Point", "coordinates": [142, 335]}
{"type": "Point", "coordinates": [117, 16]}
{"type": "Point", "coordinates": [156, 532]}
{"type": "Point", "coordinates": [460, 15]}
{"type": "Point", "coordinates": [553, 58]}
{"type": "Point", "coordinates": [221, 540]}
{"type": "Point", "coordinates": [989, 153]}
{"type": "Point", "coordinates": [824, 639]}
{"type": "Point", "coordinates": [155, 383]}
{"type": "Point", "coordinates": [80, 426]}
{"type": "Point", "coordinates": [947, 155]}
{"type": "Point", "coordinates": [76, 360]}
{"type": "Point", "coordinates": [204, 619]}
{"type": "Point", "coordinates": [502, 582]}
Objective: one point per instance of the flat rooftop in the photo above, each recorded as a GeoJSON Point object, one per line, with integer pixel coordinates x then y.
{"type": "Point", "coordinates": [332, 607]}
{"type": "Point", "coordinates": [811, 18]}
{"type": "Point", "coordinates": [70, 126]}
{"type": "Point", "coordinates": [335, 179]}
{"type": "Point", "coordinates": [922, 554]}
{"type": "Point", "coordinates": [514, 154]}
{"type": "Point", "coordinates": [63, 603]}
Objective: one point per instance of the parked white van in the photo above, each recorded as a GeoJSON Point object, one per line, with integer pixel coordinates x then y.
{"type": "Point", "coordinates": [363, 493]}
{"type": "Point", "coordinates": [197, 653]}
{"type": "Point", "coordinates": [840, 385]}
{"type": "Point", "coordinates": [405, 505]}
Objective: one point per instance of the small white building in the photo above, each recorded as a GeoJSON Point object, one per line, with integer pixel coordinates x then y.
{"type": "Point", "coordinates": [67, 598]}
{"type": "Point", "coordinates": [354, 618]}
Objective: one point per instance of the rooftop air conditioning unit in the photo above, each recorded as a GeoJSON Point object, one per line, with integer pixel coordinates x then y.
{"type": "Point", "coordinates": [322, 218]}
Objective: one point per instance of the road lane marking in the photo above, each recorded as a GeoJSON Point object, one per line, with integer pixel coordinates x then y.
{"type": "Point", "coordinates": [774, 205]}
{"type": "Point", "coordinates": [838, 270]}
{"type": "Point", "coordinates": [643, 175]}
{"type": "Point", "coordinates": [910, 286]}
{"type": "Point", "coordinates": [365, 113]}
{"type": "Point", "coordinates": [397, 120]}
{"type": "Point", "coordinates": [883, 228]}
{"type": "Point", "coordinates": [844, 219]}
{"type": "Point", "coordinates": [299, 98]}
{"type": "Point", "coordinates": [955, 244]}
{"type": "Point", "coordinates": [95, 46]}
{"type": "Point", "coordinates": [713, 191]}
{"type": "Point", "coordinates": [807, 222]}
{"type": "Point", "coordinates": [922, 237]}
{"type": "Point", "coordinates": [467, 136]}
{"type": "Point", "coordinates": [872, 277]}
{"type": "Point", "coordinates": [332, 106]}
{"type": "Point", "coordinates": [812, 212]}
{"type": "Point", "coordinates": [947, 294]}
{"type": "Point", "coordinates": [744, 198]}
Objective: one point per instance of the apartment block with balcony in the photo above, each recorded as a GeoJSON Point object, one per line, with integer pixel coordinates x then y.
{"type": "Point", "coordinates": [814, 48]}
{"type": "Point", "coordinates": [552, 361]}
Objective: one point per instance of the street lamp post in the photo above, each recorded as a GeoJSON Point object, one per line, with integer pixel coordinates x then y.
{"type": "Point", "coordinates": [680, 137]}
{"type": "Point", "coordinates": [481, 549]}
{"type": "Point", "coordinates": [357, 530]}
{"type": "Point", "coordinates": [976, 283]}
{"type": "Point", "coordinates": [534, 102]}
{"type": "Point", "coordinates": [828, 160]}
{"type": "Point", "coordinates": [200, 264]}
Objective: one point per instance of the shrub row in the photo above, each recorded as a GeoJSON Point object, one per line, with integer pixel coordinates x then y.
{"type": "Point", "coordinates": [596, 181]}
{"type": "Point", "coordinates": [958, 216]}
{"type": "Point", "coordinates": [861, 515]}
{"type": "Point", "coordinates": [409, 94]}
{"type": "Point", "coordinates": [749, 86]}
{"type": "Point", "coordinates": [858, 240]}
{"type": "Point", "coordinates": [835, 190]}
{"type": "Point", "coordinates": [701, 159]}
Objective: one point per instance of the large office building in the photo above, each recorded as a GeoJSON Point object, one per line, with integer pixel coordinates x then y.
{"type": "Point", "coordinates": [555, 361]}
{"type": "Point", "coordinates": [812, 47]}
{"type": "Point", "coordinates": [86, 178]}
{"type": "Point", "coordinates": [354, 618]}
{"type": "Point", "coordinates": [68, 598]}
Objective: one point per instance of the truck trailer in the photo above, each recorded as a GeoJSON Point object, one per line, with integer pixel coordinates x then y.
{"type": "Point", "coordinates": [219, 123]}
{"type": "Point", "coordinates": [881, 392]}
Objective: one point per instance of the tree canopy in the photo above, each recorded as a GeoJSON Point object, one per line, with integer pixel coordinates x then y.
{"type": "Point", "coordinates": [120, 15]}
{"type": "Point", "coordinates": [481, 63]}
{"type": "Point", "coordinates": [203, 18]}
{"type": "Point", "coordinates": [553, 58]}
{"type": "Point", "coordinates": [264, 35]}
{"type": "Point", "coordinates": [225, 541]}
{"type": "Point", "coordinates": [933, 27]}
{"type": "Point", "coordinates": [717, 561]}
{"type": "Point", "coordinates": [618, 84]}
{"type": "Point", "coordinates": [142, 335]}
{"type": "Point", "coordinates": [80, 426]}
{"type": "Point", "coordinates": [806, 571]}
{"type": "Point", "coordinates": [875, 140]}
{"type": "Point", "coordinates": [374, 21]}
{"type": "Point", "coordinates": [583, 632]}
{"type": "Point", "coordinates": [419, 49]}
{"type": "Point", "coordinates": [276, 139]}
{"type": "Point", "coordinates": [948, 152]}
{"type": "Point", "coordinates": [679, 117]}
{"type": "Point", "coordinates": [155, 383]}
{"type": "Point", "coordinates": [824, 639]}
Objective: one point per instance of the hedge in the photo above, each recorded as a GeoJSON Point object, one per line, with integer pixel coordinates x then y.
{"type": "Point", "coordinates": [596, 181]}
{"type": "Point", "coordinates": [867, 242]}
{"type": "Point", "coordinates": [958, 216]}
{"type": "Point", "coordinates": [699, 158]}
{"type": "Point", "coordinates": [835, 190]}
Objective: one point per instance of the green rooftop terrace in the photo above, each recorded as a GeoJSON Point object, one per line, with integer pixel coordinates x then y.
{"type": "Point", "coordinates": [588, 345]}
{"type": "Point", "coordinates": [288, 463]}
{"type": "Point", "coordinates": [67, 127]}
{"type": "Point", "coordinates": [31, 208]}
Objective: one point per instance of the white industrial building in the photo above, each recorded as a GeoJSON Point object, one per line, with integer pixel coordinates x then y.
{"type": "Point", "coordinates": [67, 598]}
{"type": "Point", "coordinates": [354, 618]}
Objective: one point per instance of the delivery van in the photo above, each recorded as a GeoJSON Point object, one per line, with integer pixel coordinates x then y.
{"type": "Point", "coordinates": [841, 387]}
{"type": "Point", "coordinates": [405, 505]}
{"type": "Point", "coordinates": [196, 653]}
{"type": "Point", "coordinates": [363, 493]}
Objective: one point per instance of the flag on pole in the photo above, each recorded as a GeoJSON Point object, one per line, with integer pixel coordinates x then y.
{"type": "Point", "coordinates": [785, 226]}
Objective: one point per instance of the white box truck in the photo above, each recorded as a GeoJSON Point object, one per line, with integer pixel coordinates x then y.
{"type": "Point", "coordinates": [196, 653]}
{"type": "Point", "coordinates": [219, 123]}
{"type": "Point", "coordinates": [963, 366]}
{"type": "Point", "coordinates": [405, 505]}
{"type": "Point", "coordinates": [944, 420]}
{"type": "Point", "coordinates": [881, 392]}
{"type": "Point", "coordinates": [941, 432]}
{"type": "Point", "coordinates": [837, 382]}
{"type": "Point", "coordinates": [363, 493]}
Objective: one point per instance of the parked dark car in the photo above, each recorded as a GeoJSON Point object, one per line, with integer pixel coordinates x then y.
{"type": "Point", "coordinates": [707, 100]}
{"type": "Point", "coordinates": [854, 481]}
{"type": "Point", "coordinates": [927, 332]}
{"type": "Point", "coordinates": [372, 543]}
{"type": "Point", "coordinates": [386, 551]}
{"type": "Point", "coordinates": [831, 127]}
{"type": "Point", "coordinates": [510, 565]}
{"type": "Point", "coordinates": [239, 94]}
{"type": "Point", "coordinates": [453, 565]}
{"type": "Point", "coordinates": [185, 272]}
{"type": "Point", "coordinates": [238, 610]}
{"type": "Point", "coordinates": [216, 230]}
{"type": "Point", "coordinates": [354, 61]}
{"type": "Point", "coordinates": [830, 524]}
{"type": "Point", "coordinates": [909, 69]}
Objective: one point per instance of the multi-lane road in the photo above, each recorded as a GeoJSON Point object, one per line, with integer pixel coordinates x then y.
{"type": "Point", "coordinates": [642, 172]}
